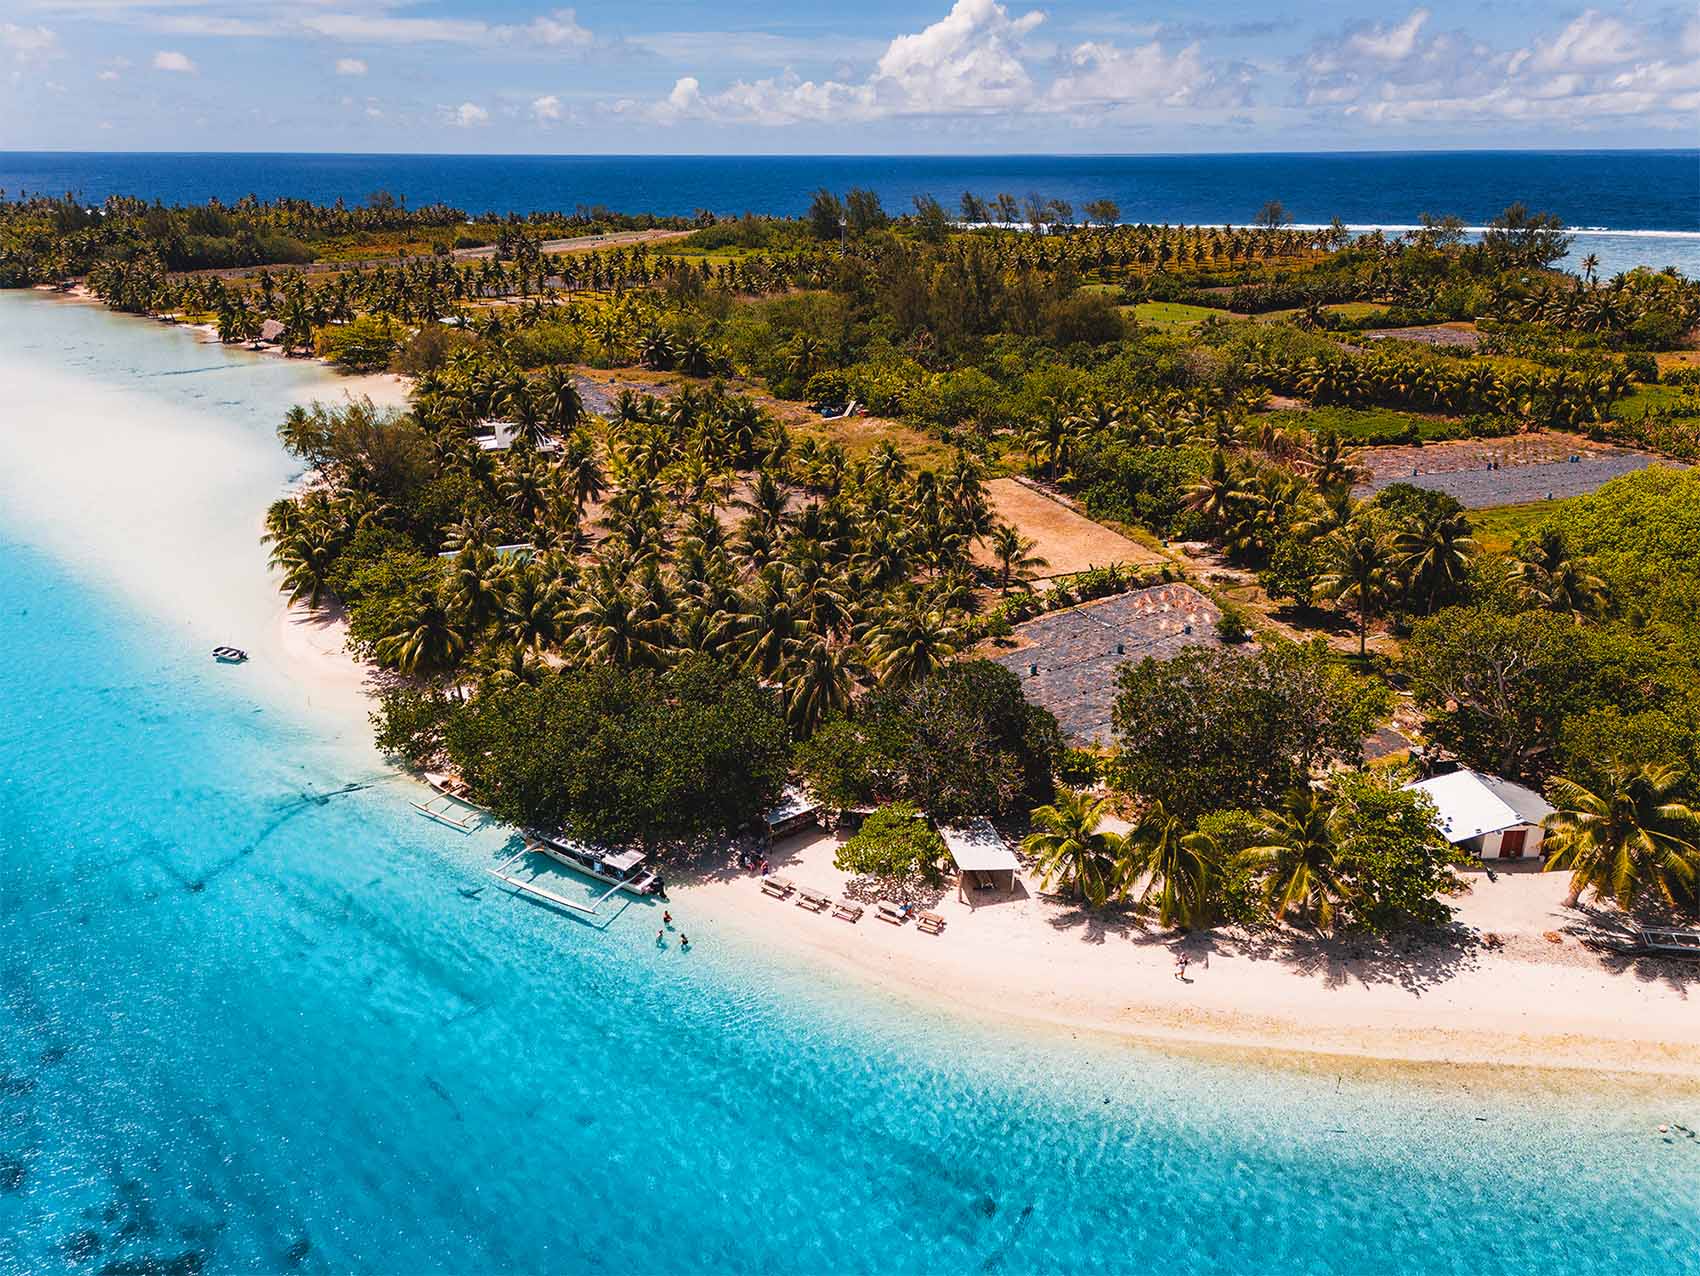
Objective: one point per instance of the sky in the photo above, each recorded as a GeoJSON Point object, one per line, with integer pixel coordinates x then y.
{"type": "Point", "coordinates": [804, 77]}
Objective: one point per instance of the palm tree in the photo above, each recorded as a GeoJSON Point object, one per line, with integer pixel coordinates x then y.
{"type": "Point", "coordinates": [1359, 577]}
{"type": "Point", "coordinates": [820, 682]}
{"type": "Point", "coordinates": [1214, 493]}
{"type": "Point", "coordinates": [425, 636]}
{"type": "Point", "coordinates": [1070, 849]}
{"type": "Point", "coordinates": [581, 470]}
{"type": "Point", "coordinates": [1011, 548]}
{"type": "Point", "coordinates": [562, 403]}
{"type": "Point", "coordinates": [1331, 464]}
{"type": "Point", "coordinates": [530, 615]}
{"type": "Point", "coordinates": [1549, 576]}
{"type": "Point", "coordinates": [1175, 866]}
{"type": "Point", "coordinates": [305, 557]}
{"type": "Point", "coordinates": [610, 626]}
{"type": "Point", "coordinates": [1301, 864]}
{"type": "Point", "coordinates": [1633, 833]}
{"type": "Point", "coordinates": [1434, 554]}
{"type": "Point", "coordinates": [911, 642]}
{"type": "Point", "coordinates": [767, 627]}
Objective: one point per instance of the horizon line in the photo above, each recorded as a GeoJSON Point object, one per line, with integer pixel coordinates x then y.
{"type": "Point", "coordinates": [882, 155]}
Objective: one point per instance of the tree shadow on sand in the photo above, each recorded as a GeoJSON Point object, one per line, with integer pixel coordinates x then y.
{"type": "Point", "coordinates": [1416, 960]}
{"type": "Point", "coordinates": [1614, 938]}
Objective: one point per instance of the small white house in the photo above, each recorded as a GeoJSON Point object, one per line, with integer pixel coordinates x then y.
{"type": "Point", "coordinates": [1494, 818]}
{"type": "Point", "coordinates": [500, 436]}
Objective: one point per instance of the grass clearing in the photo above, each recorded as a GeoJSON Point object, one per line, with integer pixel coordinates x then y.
{"type": "Point", "coordinates": [1172, 314]}
{"type": "Point", "coordinates": [1498, 529]}
{"type": "Point", "coordinates": [1371, 427]}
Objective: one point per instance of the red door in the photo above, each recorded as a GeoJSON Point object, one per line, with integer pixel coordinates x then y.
{"type": "Point", "coordinates": [1511, 843]}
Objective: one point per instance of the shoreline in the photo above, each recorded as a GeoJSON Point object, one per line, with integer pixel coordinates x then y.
{"type": "Point", "coordinates": [1041, 962]}
{"type": "Point", "coordinates": [1033, 961]}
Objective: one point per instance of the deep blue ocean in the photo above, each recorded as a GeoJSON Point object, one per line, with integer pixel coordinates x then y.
{"type": "Point", "coordinates": [256, 1016]}
{"type": "Point", "coordinates": [1614, 191]}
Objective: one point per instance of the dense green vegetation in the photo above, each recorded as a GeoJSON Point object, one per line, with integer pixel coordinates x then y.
{"type": "Point", "coordinates": [715, 574]}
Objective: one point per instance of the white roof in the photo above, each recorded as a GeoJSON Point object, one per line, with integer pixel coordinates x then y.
{"type": "Point", "coordinates": [977, 848]}
{"type": "Point", "coordinates": [1471, 804]}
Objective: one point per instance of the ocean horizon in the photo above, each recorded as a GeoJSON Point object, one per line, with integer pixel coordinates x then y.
{"type": "Point", "coordinates": [1604, 194]}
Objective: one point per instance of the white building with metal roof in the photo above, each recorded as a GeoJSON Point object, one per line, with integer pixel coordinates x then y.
{"type": "Point", "coordinates": [1495, 818]}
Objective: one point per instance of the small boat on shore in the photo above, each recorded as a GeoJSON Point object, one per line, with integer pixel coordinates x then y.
{"type": "Point", "coordinates": [624, 870]}
{"type": "Point", "coordinates": [229, 655]}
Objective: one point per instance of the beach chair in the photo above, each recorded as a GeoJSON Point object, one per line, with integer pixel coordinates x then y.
{"type": "Point", "coordinates": [849, 910]}
{"type": "Point", "coordinates": [778, 887]}
{"type": "Point", "coordinates": [887, 911]}
{"type": "Point", "coordinates": [813, 900]}
{"type": "Point", "coordinates": [932, 923]}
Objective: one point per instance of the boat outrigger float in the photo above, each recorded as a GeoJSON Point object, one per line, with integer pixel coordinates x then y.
{"type": "Point", "coordinates": [452, 805]}
{"type": "Point", "coordinates": [622, 871]}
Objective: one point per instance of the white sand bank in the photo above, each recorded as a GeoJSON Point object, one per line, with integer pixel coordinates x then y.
{"type": "Point", "coordinates": [1530, 1003]}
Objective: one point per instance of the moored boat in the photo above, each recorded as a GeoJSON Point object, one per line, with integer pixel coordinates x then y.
{"type": "Point", "coordinates": [628, 870]}
{"type": "Point", "coordinates": [229, 655]}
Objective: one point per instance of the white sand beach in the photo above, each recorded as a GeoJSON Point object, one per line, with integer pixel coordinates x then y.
{"type": "Point", "coordinates": [1530, 1002]}
{"type": "Point", "coordinates": [162, 498]}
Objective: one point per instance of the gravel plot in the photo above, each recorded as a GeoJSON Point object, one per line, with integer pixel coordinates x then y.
{"type": "Point", "coordinates": [1076, 651]}
{"type": "Point", "coordinates": [1516, 485]}
{"type": "Point", "coordinates": [1440, 335]}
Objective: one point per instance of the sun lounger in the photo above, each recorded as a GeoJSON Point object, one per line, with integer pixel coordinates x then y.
{"type": "Point", "coordinates": [932, 923]}
{"type": "Point", "coordinates": [887, 911]}
{"type": "Point", "coordinates": [813, 900]}
{"type": "Point", "coordinates": [849, 910]}
{"type": "Point", "coordinates": [778, 887]}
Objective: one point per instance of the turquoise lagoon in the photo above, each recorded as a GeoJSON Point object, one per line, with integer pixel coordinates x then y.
{"type": "Point", "coordinates": [257, 1016]}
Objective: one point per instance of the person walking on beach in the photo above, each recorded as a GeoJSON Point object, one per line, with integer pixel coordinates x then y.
{"type": "Point", "coordinates": [1181, 960]}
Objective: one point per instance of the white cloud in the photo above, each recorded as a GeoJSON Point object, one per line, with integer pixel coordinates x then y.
{"type": "Point", "coordinates": [215, 25]}
{"type": "Point", "coordinates": [466, 115]}
{"type": "Point", "coordinates": [1594, 69]}
{"type": "Point", "coordinates": [1102, 74]}
{"type": "Point", "coordinates": [557, 30]}
{"type": "Point", "coordinates": [27, 44]}
{"type": "Point", "coordinates": [547, 109]}
{"type": "Point", "coordinates": [1389, 44]}
{"type": "Point", "coordinates": [968, 62]}
{"type": "Point", "coordinates": [1590, 41]}
{"type": "Point", "coordinates": [171, 60]}
{"type": "Point", "coordinates": [350, 66]}
{"type": "Point", "coordinates": [560, 28]}
{"type": "Point", "coordinates": [108, 75]}
{"type": "Point", "coordinates": [978, 60]}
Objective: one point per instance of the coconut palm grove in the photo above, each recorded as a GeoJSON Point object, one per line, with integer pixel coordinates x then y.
{"type": "Point", "coordinates": [684, 509]}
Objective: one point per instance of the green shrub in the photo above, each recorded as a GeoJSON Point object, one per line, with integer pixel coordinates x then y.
{"type": "Point", "coordinates": [894, 844]}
